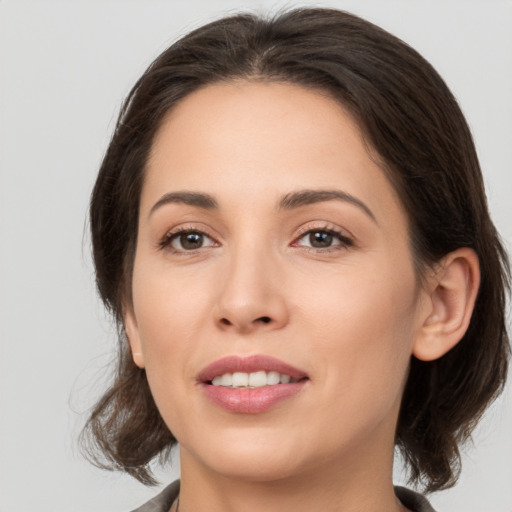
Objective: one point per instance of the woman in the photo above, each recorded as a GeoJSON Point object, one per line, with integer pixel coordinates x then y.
{"type": "Point", "coordinates": [291, 231]}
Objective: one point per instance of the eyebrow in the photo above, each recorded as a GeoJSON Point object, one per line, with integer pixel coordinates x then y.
{"type": "Point", "coordinates": [307, 197]}
{"type": "Point", "coordinates": [198, 199]}
{"type": "Point", "coordinates": [290, 201]}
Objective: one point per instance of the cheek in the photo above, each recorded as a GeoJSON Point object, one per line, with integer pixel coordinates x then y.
{"type": "Point", "coordinates": [363, 325]}
{"type": "Point", "coordinates": [168, 304]}
{"type": "Point", "coordinates": [168, 316]}
{"type": "Point", "coordinates": [167, 326]}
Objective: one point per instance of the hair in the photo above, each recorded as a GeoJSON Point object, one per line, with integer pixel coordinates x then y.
{"type": "Point", "coordinates": [412, 122]}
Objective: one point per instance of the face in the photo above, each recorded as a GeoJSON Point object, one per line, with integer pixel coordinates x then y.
{"type": "Point", "coordinates": [271, 248]}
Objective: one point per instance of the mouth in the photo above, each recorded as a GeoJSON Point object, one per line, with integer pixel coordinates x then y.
{"type": "Point", "coordinates": [253, 380]}
{"type": "Point", "coordinates": [250, 372]}
{"type": "Point", "coordinates": [250, 385]}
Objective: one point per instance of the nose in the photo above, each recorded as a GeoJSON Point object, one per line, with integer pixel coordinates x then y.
{"type": "Point", "coordinates": [251, 294]}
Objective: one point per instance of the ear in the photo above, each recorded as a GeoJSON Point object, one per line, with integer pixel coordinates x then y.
{"type": "Point", "coordinates": [452, 294]}
{"type": "Point", "coordinates": [132, 333]}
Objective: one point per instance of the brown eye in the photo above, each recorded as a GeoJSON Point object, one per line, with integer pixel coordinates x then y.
{"type": "Point", "coordinates": [190, 241]}
{"type": "Point", "coordinates": [324, 239]}
{"type": "Point", "coordinates": [320, 239]}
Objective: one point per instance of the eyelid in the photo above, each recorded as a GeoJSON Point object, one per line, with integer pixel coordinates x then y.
{"type": "Point", "coordinates": [165, 242]}
{"type": "Point", "coordinates": [346, 238]}
{"type": "Point", "coordinates": [324, 226]}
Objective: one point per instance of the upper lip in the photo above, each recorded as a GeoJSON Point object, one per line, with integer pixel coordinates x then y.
{"type": "Point", "coordinates": [248, 364]}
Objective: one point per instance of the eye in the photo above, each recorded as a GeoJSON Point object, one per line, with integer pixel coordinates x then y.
{"type": "Point", "coordinates": [187, 240]}
{"type": "Point", "coordinates": [323, 239]}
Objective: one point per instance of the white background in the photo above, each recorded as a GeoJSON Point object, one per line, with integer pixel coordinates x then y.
{"type": "Point", "coordinates": [64, 69]}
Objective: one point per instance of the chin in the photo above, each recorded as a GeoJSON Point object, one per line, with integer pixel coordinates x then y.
{"type": "Point", "coordinates": [248, 458]}
{"type": "Point", "coordinates": [257, 469]}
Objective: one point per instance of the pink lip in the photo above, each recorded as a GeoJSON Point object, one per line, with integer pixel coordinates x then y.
{"type": "Point", "coordinates": [250, 401]}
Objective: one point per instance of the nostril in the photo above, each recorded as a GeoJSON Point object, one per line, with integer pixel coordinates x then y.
{"type": "Point", "coordinates": [262, 319]}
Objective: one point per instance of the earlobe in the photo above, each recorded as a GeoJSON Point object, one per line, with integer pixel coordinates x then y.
{"type": "Point", "coordinates": [132, 333]}
{"type": "Point", "coordinates": [452, 294]}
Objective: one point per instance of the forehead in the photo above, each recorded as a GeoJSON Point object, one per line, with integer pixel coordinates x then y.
{"type": "Point", "coordinates": [259, 139]}
{"type": "Point", "coordinates": [245, 114]}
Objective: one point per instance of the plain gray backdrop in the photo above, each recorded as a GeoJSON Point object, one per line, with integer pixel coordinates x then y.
{"type": "Point", "coordinates": [64, 69]}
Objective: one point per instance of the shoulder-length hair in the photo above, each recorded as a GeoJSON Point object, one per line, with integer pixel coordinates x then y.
{"type": "Point", "coordinates": [411, 120]}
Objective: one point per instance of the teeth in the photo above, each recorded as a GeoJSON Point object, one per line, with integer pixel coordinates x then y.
{"type": "Point", "coordinates": [285, 379]}
{"type": "Point", "coordinates": [251, 380]}
{"type": "Point", "coordinates": [226, 380]}
{"type": "Point", "coordinates": [240, 380]}
{"type": "Point", "coordinates": [273, 378]}
{"type": "Point", "coordinates": [257, 379]}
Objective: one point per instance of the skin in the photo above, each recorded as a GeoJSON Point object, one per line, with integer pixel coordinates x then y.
{"type": "Point", "coordinates": [350, 314]}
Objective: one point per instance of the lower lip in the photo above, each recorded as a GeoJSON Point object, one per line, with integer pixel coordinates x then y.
{"type": "Point", "coordinates": [251, 401]}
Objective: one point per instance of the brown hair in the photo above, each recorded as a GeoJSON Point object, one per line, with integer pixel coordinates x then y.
{"type": "Point", "coordinates": [412, 121]}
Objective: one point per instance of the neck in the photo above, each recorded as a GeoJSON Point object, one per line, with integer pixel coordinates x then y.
{"type": "Point", "coordinates": [355, 487]}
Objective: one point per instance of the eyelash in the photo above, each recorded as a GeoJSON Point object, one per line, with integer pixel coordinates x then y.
{"type": "Point", "coordinates": [345, 242]}
{"type": "Point", "coordinates": [168, 239]}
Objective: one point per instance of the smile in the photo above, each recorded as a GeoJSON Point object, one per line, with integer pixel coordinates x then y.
{"type": "Point", "coordinates": [250, 385]}
{"type": "Point", "coordinates": [257, 379]}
